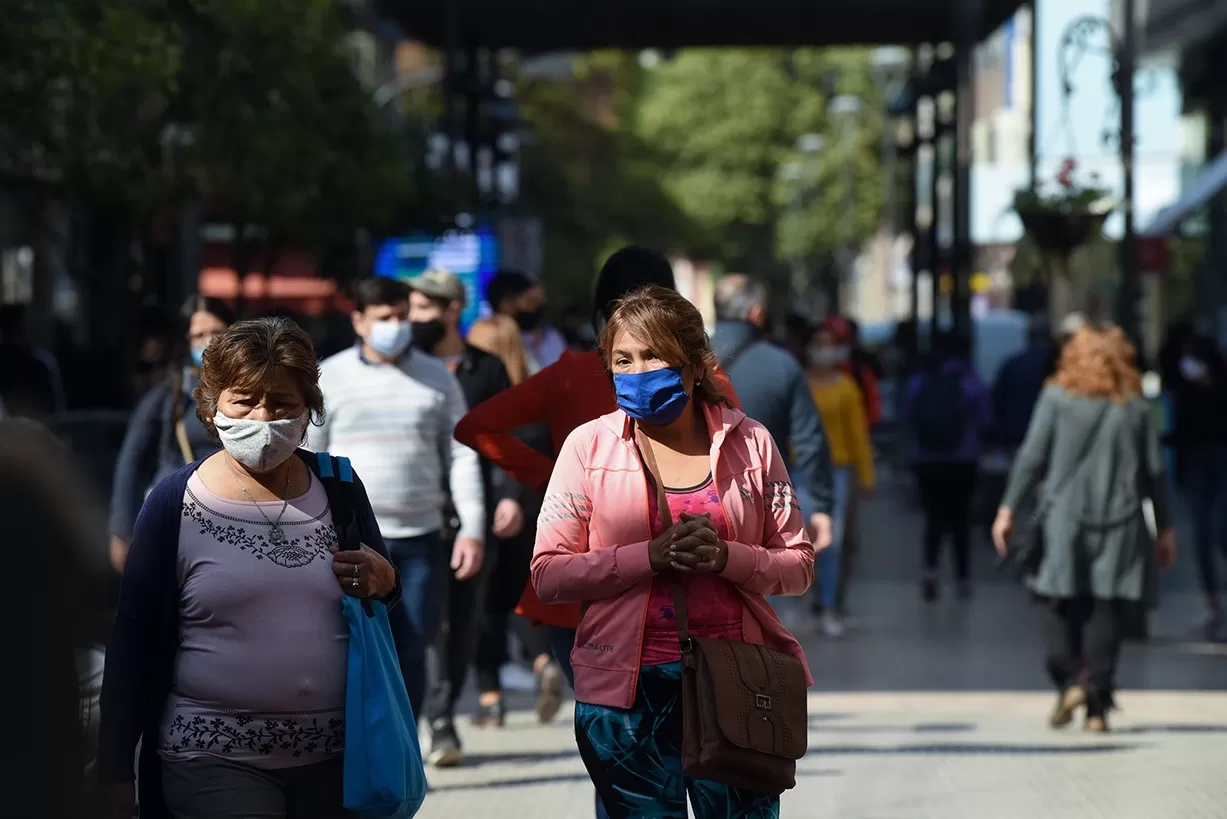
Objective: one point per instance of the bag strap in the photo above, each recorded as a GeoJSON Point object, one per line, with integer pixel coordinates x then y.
{"type": "Point", "coordinates": [1084, 453]}
{"type": "Point", "coordinates": [680, 613]}
{"type": "Point", "coordinates": [338, 476]}
{"type": "Point", "coordinates": [185, 446]}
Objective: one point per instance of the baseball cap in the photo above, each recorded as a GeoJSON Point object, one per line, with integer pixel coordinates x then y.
{"type": "Point", "coordinates": [439, 284]}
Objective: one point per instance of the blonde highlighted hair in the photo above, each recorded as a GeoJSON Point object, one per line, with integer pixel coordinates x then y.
{"type": "Point", "coordinates": [499, 335]}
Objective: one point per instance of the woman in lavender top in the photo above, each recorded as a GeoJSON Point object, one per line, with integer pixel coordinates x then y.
{"type": "Point", "coordinates": [228, 658]}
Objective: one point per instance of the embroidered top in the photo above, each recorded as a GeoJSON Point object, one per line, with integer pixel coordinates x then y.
{"type": "Point", "coordinates": [261, 667]}
{"type": "Point", "coordinates": [713, 605]}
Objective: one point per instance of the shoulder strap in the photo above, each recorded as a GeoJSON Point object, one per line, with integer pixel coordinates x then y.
{"type": "Point", "coordinates": [338, 476]}
{"type": "Point", "coordinates": [1084, 452]}
{"type": "Point", "coordinates": [662, 508]}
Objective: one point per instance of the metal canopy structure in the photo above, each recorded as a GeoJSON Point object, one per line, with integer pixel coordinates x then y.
{"type": "Point", "coordinates": [535, 26]}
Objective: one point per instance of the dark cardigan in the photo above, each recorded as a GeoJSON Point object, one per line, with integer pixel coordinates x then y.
{"type": "Point", "coordinates": [140, 659]}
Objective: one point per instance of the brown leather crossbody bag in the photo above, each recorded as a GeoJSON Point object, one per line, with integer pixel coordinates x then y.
{"type": "Point", "coordinates": [744, 720]}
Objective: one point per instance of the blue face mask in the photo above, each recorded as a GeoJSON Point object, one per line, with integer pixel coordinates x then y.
{"type": "Point", "coordinates": [390, 338]}
{"type": "Point", "coordinates": [198, 356]}
{"type": "Point", "coordinates": [656, 397]}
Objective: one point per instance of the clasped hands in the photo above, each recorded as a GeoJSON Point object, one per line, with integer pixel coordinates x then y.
{"type": "Point", "coordinates": [690, 546]}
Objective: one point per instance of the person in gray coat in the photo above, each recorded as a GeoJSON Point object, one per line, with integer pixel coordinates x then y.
{"type": "Point", "coordinates": [1093, 446]}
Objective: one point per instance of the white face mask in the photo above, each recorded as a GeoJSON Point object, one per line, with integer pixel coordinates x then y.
{"type": "Point", "coordinates": [826, 356]}
{"type": "Point", "coordinates": [390, 338]}
{"type": "Point", "coordinates": [261, 446]}
{"type": "Point", "coordinates": [1192, 369]}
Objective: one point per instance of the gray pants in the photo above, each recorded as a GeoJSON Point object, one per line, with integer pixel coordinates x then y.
{"type": "Point", "coordinates": [212, 788]}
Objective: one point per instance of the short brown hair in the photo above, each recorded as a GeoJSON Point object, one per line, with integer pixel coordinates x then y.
{"type": "Point", "coordinates": [246, 354]}
{"type": "Point", "coordinates": [1098, 362]}
{"type": "Point", "coordinates": [673, 327]}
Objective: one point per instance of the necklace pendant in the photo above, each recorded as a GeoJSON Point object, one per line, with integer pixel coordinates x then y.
{"type": "Point", "coordinates": [276, 537]}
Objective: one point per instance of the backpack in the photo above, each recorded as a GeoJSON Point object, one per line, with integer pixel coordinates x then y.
{"type": "Point", "coordinates": [940, 413]}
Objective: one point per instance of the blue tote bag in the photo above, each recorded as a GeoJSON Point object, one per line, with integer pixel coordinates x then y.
{"type": "Point", "coordinates": [384, 776]}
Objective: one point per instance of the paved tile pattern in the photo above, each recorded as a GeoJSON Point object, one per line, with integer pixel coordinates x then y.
{"type": "Point", "coordinates": [931, 712]}
{"type": "Point", "coordinates": [910, 756]}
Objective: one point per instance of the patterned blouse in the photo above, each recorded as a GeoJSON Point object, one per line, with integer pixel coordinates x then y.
{"type": "Point", "coordinates": [260, 674]}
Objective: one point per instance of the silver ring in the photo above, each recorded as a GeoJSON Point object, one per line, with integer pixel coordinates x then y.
{"type": "Point", "coordinates": [357, 569]}
{"type": "Point", "coordinates": [353, 582]}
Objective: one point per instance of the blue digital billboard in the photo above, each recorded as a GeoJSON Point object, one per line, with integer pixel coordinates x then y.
{"type": "Point", "coordinates": [471, 255]}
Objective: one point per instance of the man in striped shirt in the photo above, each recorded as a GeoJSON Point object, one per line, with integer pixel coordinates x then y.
{"type": "Point", "coordinates": [391, 410]}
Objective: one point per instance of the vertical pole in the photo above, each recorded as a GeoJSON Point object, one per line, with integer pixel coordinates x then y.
{"type": "Point", "coordinates": [452, 74]}
{"type": "Point", "coordinates": [472, 120]}
{"type": "Point", "coordinates": [964, 114]}
{"type": "Point", "coordinates": [916, 263]}
{"type": "Point", "coordinates": [1032, 141]}
{"type": "Point", "coordinates": [1126, 58]}
{"type": "Point", "coordinates": [1208, 290]}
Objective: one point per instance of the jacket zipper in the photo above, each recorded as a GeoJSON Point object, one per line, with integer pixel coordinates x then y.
{"type": "Point", "coordinates": [647, 600]}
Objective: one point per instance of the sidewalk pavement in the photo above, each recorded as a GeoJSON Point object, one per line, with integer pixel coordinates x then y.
{"type": "Point", "coordinates": [927, 711]}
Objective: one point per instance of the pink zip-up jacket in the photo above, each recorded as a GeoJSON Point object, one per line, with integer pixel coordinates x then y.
{"type": "Point", "coordinates": [595, 526]}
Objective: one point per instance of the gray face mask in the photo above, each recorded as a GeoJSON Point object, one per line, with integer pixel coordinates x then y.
{"type": "Point", "coordinates": [261, 446]}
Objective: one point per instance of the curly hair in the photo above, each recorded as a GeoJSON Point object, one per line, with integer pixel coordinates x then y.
{"type": "Point", "coordinates": [244, 356]}
{"type": "Point", "coordinates": [1099, 362]}
{"type": "Point", "coordinates": [664, 320]}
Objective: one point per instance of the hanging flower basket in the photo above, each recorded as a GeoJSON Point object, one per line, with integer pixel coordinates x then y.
{"type": "Point", "coordinates": [1066, 216]}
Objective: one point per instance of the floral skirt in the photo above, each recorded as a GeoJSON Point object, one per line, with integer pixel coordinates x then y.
{"type": "Point", "coordinates": [634, 757]}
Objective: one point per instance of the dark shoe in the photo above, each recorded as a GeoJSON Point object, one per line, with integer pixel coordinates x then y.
{"type": "Point", "coordinates": [490, 716]}
{"type": "Point", "coordinates": [549, 691]}
{"type": "Point", "coordinates": [1068, 702]}
{"type": "Point", "coordinates": [444, 745]}
{"type": "Point", "coordinates": [928, 591]}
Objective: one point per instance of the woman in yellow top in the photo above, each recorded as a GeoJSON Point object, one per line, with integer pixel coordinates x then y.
{"type": "Point", "coordinates": [842, 409]}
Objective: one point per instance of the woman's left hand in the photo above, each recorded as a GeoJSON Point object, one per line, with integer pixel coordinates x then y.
{"type": "Point", "coordinates": [363, 572]}
{"type": "Point", "coordinates": [1003, 526]}
{"type": "Point", "coordinates": [702, 553]}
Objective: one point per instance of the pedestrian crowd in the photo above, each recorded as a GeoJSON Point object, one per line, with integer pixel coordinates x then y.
{"type": "Point", "coordinates": [617, 505]}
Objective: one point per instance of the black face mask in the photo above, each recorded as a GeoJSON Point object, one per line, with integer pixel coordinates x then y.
{"type": "Point", "coordinates": [528, 320]}
{"type": "Point", "coordinates": [428, 334]}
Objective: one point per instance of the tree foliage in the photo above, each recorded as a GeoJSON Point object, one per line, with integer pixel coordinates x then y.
{"type": "Point", "coordinates": [252, 105]}
{"type": "Point", "coordinates": [727, 123]}
{"type": "Point", "coordinates": [594, 183]}
{"type": "Point", "coordinates": [84, 85]}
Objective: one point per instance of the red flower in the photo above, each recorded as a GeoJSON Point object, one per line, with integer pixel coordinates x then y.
{"type": "Point", "coordinates": [1065, 174]}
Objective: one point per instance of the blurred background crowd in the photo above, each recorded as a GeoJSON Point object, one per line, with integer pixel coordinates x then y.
{"type": "Point", "coordinates": [899, 199]}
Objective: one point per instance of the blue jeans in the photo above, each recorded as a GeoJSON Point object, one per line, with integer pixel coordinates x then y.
{"type": "Point", "coordinates": [562, 640]}
{"type": "Point", "coordinates": [826, 590]}
{"type": "Point", "coordinates": [424, 565]}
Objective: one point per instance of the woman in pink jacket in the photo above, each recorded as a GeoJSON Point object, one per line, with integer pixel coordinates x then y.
{"type": "Point", "coordinates": [601, 541]}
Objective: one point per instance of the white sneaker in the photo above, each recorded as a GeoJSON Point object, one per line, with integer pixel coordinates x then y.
{"type": "Point", "coordinates": [832, 626]}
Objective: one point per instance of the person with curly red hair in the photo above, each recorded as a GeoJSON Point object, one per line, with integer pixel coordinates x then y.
{"type": "Point", "coordinates": [1094, 448]}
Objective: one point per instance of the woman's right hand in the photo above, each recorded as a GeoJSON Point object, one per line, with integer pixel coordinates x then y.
{"type": "Point", "coordinates": [1165, 549]}
{"type": "Point", "coordinates": [1002, 527]}
{"type": "Point", "coordinates": [671, 546]}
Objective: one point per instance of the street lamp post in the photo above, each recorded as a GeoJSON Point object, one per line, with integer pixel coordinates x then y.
{"type": "Point", "coordinates": [847, 109]}
{"type": "Point", "coordinates": [808, 146]}
{"type": "Point", "coordinates": [890, 68]}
